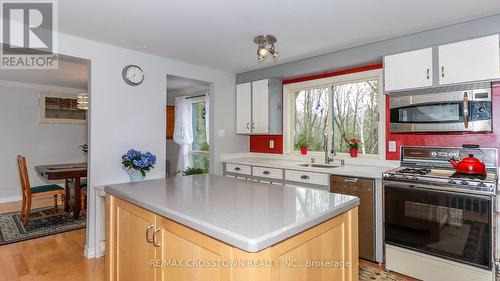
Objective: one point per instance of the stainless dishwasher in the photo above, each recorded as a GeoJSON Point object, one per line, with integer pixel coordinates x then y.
{"type": "Point", "coordinates": [364, 189]}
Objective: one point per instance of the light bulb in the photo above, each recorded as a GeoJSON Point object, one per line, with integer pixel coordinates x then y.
{"type": "Point", "coordinates": [263, 51]}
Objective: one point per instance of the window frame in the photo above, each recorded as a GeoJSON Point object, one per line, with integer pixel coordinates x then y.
{"type": "Point", "coordinates": [289, 109]}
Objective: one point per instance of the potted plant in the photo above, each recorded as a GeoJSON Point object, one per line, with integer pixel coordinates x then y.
{"type": "Point", "coordinates": [353, 147]}
{"type": "Point", "coordinates": [303, 144]}
{"type": "Point", "coordinates": [136, 164]}
{"type": "Point", "coordinates": [193, 171]}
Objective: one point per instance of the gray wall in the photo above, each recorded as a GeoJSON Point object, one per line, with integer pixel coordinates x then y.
{"type": "Point", "coordinates": [373, 53]}
{"type": "Point", "coordinates": [40, 143]}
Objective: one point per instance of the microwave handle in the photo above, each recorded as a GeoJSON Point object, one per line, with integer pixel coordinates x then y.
{"type": "Point", "coordinates": [466, 110]}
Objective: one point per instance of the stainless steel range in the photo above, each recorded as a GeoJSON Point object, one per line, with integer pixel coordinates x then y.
{"type": "Point", "coordinates": [438, 224]}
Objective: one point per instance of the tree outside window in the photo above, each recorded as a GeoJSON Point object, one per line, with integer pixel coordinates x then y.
{"type": "Point", "coordinates": [355, 115]}
{"type": "Point", "coordinates": [200, 146]}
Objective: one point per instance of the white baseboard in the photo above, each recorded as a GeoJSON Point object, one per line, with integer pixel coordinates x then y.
{"type": "Point", "coordinates": [89, 253]}
{"type": "Point", "coordinates": [11, 199]}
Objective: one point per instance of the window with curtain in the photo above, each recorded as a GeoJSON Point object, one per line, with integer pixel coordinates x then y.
{"type": "Point", "coordinates": [353, 108]}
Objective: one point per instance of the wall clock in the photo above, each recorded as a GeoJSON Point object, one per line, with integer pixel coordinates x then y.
{"type": "Point", "coordinates": [133, 75]}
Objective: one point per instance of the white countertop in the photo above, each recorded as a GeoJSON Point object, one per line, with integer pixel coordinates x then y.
{"type": "Point", "coordinates": [364, 171]}
{"type": "Point", "coordinates": [249, 215]}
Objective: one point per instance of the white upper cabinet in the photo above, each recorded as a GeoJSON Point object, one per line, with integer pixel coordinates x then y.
{"type": "Point", "coordinates": [408, 70]}
{"type": "Point", "coordinates": [258, 107]}
{"type": "Point", "coordinates": [243, 110]}
{"type": "Point", "coordinates": [461, 62]}
{"type": "Point", "coordinates": [471, 60]}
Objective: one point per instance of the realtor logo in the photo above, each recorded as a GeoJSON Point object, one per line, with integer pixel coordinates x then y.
{"type": "Point", "coordinates": [29, 35]}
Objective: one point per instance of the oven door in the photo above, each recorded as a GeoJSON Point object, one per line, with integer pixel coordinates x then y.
{"type": "Point", "coordinates": [449, 112]}
{"type": "Point", "coordinates": [451, 225]}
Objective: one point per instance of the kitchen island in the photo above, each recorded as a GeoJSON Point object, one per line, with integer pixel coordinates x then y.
{"type": "Point", "coordinates": [209, 227]}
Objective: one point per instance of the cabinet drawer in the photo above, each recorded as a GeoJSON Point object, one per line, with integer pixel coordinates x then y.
{"type": "Point", "coordinates": [306, 177]}
{"type": "Point", "coordinates": [239, 169]}
{"type": "Point", "coordinates": [352, 183]}
{"type": "Point", "coordinates": [267, 173]}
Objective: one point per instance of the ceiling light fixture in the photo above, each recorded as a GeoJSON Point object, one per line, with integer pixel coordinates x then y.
{"type": "Point", "coordinates": [262, 50]}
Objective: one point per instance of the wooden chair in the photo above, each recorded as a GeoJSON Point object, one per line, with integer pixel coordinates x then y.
{"type": "Point", "coordinates": [29, 193]}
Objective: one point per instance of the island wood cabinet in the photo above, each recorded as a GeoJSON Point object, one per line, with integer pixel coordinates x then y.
{"type": "Point", "coordinates": [461, 62]}
{"type": "Point", "coordinates": [144, 246]}
{"type": "Point", "coordinates": [259, 107]}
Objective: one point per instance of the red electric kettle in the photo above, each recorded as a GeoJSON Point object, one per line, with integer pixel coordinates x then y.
{"type": "Point", "coordinates": [470, 165]}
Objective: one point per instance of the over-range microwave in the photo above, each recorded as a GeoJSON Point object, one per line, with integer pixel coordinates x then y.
{"type": "Point", "coordinates": [462, 108]}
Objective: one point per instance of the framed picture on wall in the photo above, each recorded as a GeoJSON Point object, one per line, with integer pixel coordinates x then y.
{"type": "Point", "coordinates": [59, 108]}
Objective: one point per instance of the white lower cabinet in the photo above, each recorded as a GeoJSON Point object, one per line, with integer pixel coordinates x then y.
{"type": "Point", "coordinates": [307, 177]}
{"type": "Point", "coordinates": [278, 176]}
{"type": "Point", "coordinates": [269, 173]}
{"type": "Point", "coordinates": [239, 169]}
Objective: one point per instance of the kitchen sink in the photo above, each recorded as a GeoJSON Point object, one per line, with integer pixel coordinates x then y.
{"type": "Point", "coordinates": [322, 166]}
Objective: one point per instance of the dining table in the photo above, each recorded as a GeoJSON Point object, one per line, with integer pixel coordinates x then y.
{"type": "Point", "coordinates": [67, 172]}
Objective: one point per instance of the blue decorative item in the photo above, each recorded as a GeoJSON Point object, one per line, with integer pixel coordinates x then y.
{"type": "Point", "coordinates": [136, 164]}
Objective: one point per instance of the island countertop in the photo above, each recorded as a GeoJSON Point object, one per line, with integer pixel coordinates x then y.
{"type": "Point", "coordinates": [249, 215]}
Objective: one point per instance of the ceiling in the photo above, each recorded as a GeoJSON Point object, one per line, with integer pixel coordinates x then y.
{"type": "Point", "coordinates": [71, 73]}
{"type": "Point", "coordinates": [176, 83]}
{"type": "Point", "coordinates": [219, 33]}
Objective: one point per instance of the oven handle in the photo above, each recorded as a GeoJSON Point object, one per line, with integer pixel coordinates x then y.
{"type": "Point", "coordinates": [466, 110]}
{"type": "Point", "coordinates": [434, 188]}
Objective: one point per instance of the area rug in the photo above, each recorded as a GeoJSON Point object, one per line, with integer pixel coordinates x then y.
{"type": "Point", "coordinates": [13, 230]}
{"type": "Point", "coordinates": [372, 274]}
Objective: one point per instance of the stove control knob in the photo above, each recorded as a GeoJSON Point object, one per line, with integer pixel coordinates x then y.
{"type": "Point", "coordinates": [465, 182]}
{"type": "Point", "coordinates": [481, 184]}
{"type": "Point", "coordinates": [452, 182]}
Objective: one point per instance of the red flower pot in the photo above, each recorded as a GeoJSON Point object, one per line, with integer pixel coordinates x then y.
{"type": "Point", "coordinates": [303, 150]}
{"type": "Point", "coordinates": [353, 152]}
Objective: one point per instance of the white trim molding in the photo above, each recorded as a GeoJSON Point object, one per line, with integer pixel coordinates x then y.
{"type": "Point", "coordinates": [288, 120]}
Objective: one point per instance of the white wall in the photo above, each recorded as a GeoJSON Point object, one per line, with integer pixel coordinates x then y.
{"type": "Point", "coordinates": [39, 143]}
{"type": "Point", "coordinates": [122, 117]}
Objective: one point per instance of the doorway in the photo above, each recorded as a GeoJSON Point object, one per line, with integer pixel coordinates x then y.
{"type": "Point", "coordinates": [188, 129]}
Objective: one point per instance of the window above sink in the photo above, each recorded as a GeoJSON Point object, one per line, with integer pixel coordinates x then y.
{"type": "Point", "coordinates": [353, 103]}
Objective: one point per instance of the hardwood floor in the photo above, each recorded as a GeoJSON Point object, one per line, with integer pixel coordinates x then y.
{"type": "Point", "coordinates": [54, 258]}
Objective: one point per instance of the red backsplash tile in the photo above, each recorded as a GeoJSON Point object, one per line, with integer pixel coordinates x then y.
{"type": "Point", "coordinates": [260, 143]}
{"type": "Point", "coordinates": [448, 139]}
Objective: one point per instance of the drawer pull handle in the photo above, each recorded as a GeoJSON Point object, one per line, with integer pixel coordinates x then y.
{"type": "Point", "coordinates": [304, 177]}
{"type": "Point", "coordinates": [428, 73]}
{"type": "Point", "coordinates": [237, 169]}
{"type": "Point", "coordinates": [267, 173]}
{"type": "Point", "coordinates": [147, 233]}
{"type": "Point", "coordinates": [155, 243]}
{"type": "Point", "coordinates": [351, 179]}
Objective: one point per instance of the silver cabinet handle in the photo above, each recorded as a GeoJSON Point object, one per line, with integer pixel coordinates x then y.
{"type": "Point", "coordinates": [147, 233]}
{"type": "Point", "coordinates": [237, 169]}
{"type": "Point", "coordinates": [253, 127]}
{"type": "Point", "coordinates": [351, 180]}
{"type": "Point", "coordinates": [304, 177]}
{"type": "Point", "coordinates": [466, 110]}
{"type": "Point", "coordinates": [266, 173]}
{"type": "Point", "coordinates": [248, 125]}
{"type": "Point", "coordinates": [442, 71]}
{"type": "Point", "coordinates": [155, 243]}
{"type": "Point", "coordinates": [428, 73]}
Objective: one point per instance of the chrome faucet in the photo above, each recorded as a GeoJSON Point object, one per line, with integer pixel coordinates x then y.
{"type": "Point", "coordinates": [328, 158]}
